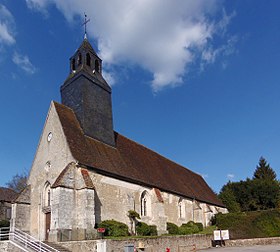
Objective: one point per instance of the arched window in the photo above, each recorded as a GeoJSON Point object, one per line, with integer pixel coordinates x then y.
{"type": "Point", "coordinates": [73, 66]}
{"type": "Point", "coordinates": [88, 59]}
{"type": "Point", "coordinates": [181, 208]}
{"type": "Point", "coordinates": [145, 204]}
{"type": "Point", "coordinates": [79, 59]}
{"type": "Point", "coordinates": [97, 66]}
{"type": "Point", "coordinates": [47, 195]}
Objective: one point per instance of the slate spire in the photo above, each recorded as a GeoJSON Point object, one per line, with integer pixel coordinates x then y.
{"type": "Point", "coordinates": [89, 95]}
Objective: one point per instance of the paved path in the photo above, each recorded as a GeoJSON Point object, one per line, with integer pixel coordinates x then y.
{"type": "Point", "coordinates": [270, 248]}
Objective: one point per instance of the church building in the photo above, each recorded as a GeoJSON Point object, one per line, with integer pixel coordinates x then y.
{"type": "Point", "coordinates": [84, 172]}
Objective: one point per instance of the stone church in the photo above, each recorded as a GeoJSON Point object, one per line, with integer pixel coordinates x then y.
{"type": "Point", "coordinates": [84, 172]}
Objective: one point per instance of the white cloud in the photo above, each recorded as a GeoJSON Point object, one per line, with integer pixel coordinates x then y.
{"type": "Point", "coordinates": [6, 26]}
{"type": "Point", "coordinates": [24, 63]}
{"type": "Point", "coordinates": [109, 77]}
{"type": "Point", "coordinates": [163, 37]}
{"type": "Point", "coordinates": [230, 176]}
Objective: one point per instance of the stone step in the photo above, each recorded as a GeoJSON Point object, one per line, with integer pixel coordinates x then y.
{"type": "Point", "coordinates": [57, 246]}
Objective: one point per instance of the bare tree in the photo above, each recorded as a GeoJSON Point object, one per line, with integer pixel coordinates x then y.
{"type": "Point", "coordinates": [18, 182]}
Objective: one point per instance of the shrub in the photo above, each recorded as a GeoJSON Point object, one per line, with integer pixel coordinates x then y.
{"type": "Point", "coordinates": [153, 230]}
{"type": "Point", "coordinates": [133, 214]}
{"type": "Point", "coordinates": [189, 228]}
{"type": "Point", "coordinates": [114, 228]}
{"type": "Point", "coordinates": [4, 223]}
{"type": "Point", "coordinates": [250, 224]}
{"type": "Point", "coordinates": [199, 225]}
{"type": "Point", "coordinates": [268, 223]}
{"type": "Point", "coordinates": [144, 229]}
{"type": "Point", "coordinates": [172, 228]}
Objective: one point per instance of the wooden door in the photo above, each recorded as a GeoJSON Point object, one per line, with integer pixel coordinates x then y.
{"type": "Point", "coordinates": [48, 225]}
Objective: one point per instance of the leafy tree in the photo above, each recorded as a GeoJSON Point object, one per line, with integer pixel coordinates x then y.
{"type": "Point", "coordinates": [260, 193]}
{"type": "Point", "coordinates": [18, 182]}
{"type": "Point", "coordinates": [264, 171]}
{"type": "Point", "coordinates": [266, 193]}
{"type": "Point", "coordinates": [228, 198]}
{"type": "Point", "coordinates": [133, 216]}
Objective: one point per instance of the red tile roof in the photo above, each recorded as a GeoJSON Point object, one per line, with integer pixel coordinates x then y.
{"type": "Point", "coordinates": [158, 194]}
{"type": "Point", "coordinates": [7, 194]}
{"type": "Point", "coordinates": [133, 162]}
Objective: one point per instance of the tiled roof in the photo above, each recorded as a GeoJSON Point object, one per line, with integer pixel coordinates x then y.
{"type": "Point", "coordinates": [24, 196]}
{"type": "Point", "coordinates": [71, 177]}
{"type": "Point", "coordinates": [133, 162]}
{"type": "Point", "coordinates": [158, 194]}
{"type": "Point", "coordinates": [7, 194]}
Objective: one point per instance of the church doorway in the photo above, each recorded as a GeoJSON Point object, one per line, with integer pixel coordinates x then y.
{"type": "Point", "coordinates": [48, 225]}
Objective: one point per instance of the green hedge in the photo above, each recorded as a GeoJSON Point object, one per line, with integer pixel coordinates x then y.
{"type": "Point", "coordinates": [189, 228]}
{"type": "Point", "coordinates": [255, 224]}
{"type": "Point", "coordinates": [114, 228]}
{"type": "Point", "coordinates": [185, 229]}
{"type": "Point", "coordinates": [144, 229]}
{"type": "Point", "coordinates": [172, 228]}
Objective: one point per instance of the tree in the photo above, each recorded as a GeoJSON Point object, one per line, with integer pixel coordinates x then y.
{"type": "Point", "coordinates": [260, 193]}
{"type": "Point", "coordinates": [133, 216]}
{"type": "Point", "coordinates": [264, 171]}
{"type": "Point", "coordinates": [18, 182]}
{"type": "Point", "coordinates": [228, 198]}
{"type": "Point", "coordinates": [266, 193]}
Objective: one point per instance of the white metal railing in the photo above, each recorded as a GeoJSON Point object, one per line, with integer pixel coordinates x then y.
{"type": "Point", "coordinates": [25, 241]}
{"type": "Point", "coordinates": [4, 233]}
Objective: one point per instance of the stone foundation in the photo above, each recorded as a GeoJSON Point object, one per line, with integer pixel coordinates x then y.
{"type": "Point", "coordinates": [175, 243]}
{"type": "Point", "coordinates": [252, 242]}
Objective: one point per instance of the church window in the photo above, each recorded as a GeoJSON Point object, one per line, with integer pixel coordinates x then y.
{"type": "Point", "coordinates": [145, 204]}
{"type": "Point", "coordinates": [47, 195]}
{"type": "Point", "coordinates": [88, 59]}
{"type": "Point", "coordinates": [47, 166]}
{"type": "Point", "coordinates": [8, 213]}
{"type": "Point", "coordinates": [97, 66]}
{"type": "Point", "coordinates": [181, 208]}
{"type": "Point", "coordinates": [49, 138]}
{"type": "Point", "coordinates": [79, 59]}
{"type": "Point", "coordinates": [73, 67]}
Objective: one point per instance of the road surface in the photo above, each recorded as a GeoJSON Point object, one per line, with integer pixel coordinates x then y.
{"type": "Point", "coordinates": [270, 248]}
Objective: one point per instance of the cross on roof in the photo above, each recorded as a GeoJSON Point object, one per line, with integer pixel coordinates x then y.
{"type": "Point", "coordinates": [85, 24]}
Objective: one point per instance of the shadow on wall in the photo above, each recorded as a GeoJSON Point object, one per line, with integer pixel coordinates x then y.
{"type": "Point", "coordinates": [97, 205]}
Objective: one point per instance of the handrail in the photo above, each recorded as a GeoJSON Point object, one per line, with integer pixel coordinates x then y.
{"type": "Point", "coordinates": [25, 240]}
{"type": "Point", "coordinates": [4, 233]}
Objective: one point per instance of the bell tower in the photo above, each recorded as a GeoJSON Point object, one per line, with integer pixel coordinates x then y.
{"type": "Point", "coordinates": [89, 95]}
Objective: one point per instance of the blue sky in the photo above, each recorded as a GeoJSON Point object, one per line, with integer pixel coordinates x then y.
{"type": "Point", "coordinates": [196, 81]}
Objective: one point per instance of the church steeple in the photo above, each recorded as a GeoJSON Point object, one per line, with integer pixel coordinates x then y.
{"type": "Point", "coordinates": [89, 95]}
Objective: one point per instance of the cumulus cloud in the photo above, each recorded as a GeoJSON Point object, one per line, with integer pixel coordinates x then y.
{"type": "Point", "coordinates": [109, 77]}
{"type": "Point", "coordinates": [230, 176]}
{"type": "Point", "coordinates": [24, 63]}
{"type": "Point", "coordinates": [6, 26]}
{"type": "Point", "coordinates": [164, 37]}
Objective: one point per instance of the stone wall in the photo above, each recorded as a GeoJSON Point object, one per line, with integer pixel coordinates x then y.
{"type": "Point", "coordinates": [21, 216]}
{"type": "Point", "coordinates": [252, 242]}
{"type": "Point", "coordinates": [114, 198]}
{"type": "Point", "coordinates": [4, 207]}
{"type": "Point", "coordinates": [175, 243]}
{"type": "Point", "coordinates": [51, 158]}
